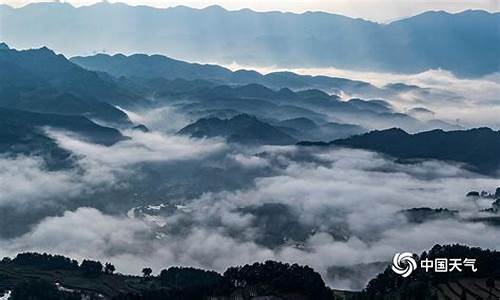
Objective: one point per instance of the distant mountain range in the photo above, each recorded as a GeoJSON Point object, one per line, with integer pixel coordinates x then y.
{"type": "Point", "coordinates": [478, 148]}
{"type": "Point", "coordinates": [245, 129]}
{"type": "Point", "coordinates": [465, 43]}
{"type": "Point", "coordinates": [39, 80]}
{"type": "Point", "coordinates": [159, 66]}
{"type": "Point", "coordinates": [216, 89]}
{"type": "Point", "coordinates": [221, 92]}
{"type": "Point", "coordinates": [279, 105]}
{"type": "Point", "coordinates": [62, 94]}
{"type": "Point", "coordinates": [40, 88]}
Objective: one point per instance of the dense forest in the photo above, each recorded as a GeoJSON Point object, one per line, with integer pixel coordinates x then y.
{"type": "Point", "coordinates": [46, 276]}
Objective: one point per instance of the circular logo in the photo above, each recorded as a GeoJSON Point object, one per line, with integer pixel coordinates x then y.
{"type": "Point", "coordinates": [404, 264]}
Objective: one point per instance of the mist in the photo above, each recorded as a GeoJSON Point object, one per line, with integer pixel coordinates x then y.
{"type": "Point", "coordinates": [122, 146]}
{"type": "Point", "coordinates": [470, 102]}
{"type": "Point", "coordinates": [337, 207]}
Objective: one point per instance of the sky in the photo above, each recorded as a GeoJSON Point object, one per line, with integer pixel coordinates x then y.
{"type": "Point", "coordinates": [376, 10]}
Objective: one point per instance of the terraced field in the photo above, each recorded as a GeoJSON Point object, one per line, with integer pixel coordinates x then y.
{"type": "Point", "coordinates": [468, 289]}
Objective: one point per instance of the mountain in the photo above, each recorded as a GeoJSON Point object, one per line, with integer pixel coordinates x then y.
{"type": "Point", "coordinates": [478, 148]}
{"type": "Point", "coordinates": [41, 81]}
{"type": "Point", "coordinates": [31, 275]}
{"type": "Point", "coordinates": [165, 78]}
{"type": "Point", "coordinates": [329, 112]}
{"type": "Point", "coordinates": [80, 125]}
{"type": "Point", "coordinates": [22, 132]}
{"type": "Point", "coordinates": [159, 66]}
{"type": "Point", "coordinates": [150, 66]}
{"type": "Point", "coordinates": [16, 139]}
{"type": "Point", "coordinates": [242, 129]}
{"type": "Point", "coordinates": [465, 43]}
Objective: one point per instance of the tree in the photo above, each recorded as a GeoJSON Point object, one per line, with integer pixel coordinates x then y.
{"type": "Point", "coordinates": [189, 278]}
{"type": "Point", "coordinates": [147, 272]}
{"type": "Point", "coordinates": [91, 268]}
{"type": "Point", "coordinates": [40, 289]}
{"type": "Point", "coordinates": [473, 194]}
{"type": "Point", "coordinates": [109, 268]}
{"type": "Point", "coordinates": [46, 261]}
{"type": "Point", "coordinates": [281, 277]}
{"type": "Point", "coordinates": [6, 260]}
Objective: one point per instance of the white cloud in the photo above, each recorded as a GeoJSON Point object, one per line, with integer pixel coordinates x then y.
{"type": "Point", "coordinates": [27, 181]}
{"type": "Point", "coordinates": [24, 179]}
{"type": "Point", "coordinates": [339, 188]}
{"type": "Point", "coordinates": [141, 147]}
{"type": "Point", "coordinates": [249, 161]}
{"type": "Point", "coordinates": [473, 102]}
{"type": "Point", "coordinates": [165, 119]}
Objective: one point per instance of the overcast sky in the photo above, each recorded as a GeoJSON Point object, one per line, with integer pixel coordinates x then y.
{"type": "Point", "coordinates": [378, 10]}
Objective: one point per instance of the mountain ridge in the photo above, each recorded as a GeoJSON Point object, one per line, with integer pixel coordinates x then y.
{"type": "Point", "coordinates": [476, 147]}
{"type": "Point", "coordinates": [23, 132]}
{"type": "Point", "coordinates": [268, 38]}
{"type": "Point", "coordinates": [157, 65]}
{"type": "Point", "coordinates": [216, 7]}
{"type": "Point", "coordinates": [40, 80]}
{"type": "Point", "coordinates": [242, 129]}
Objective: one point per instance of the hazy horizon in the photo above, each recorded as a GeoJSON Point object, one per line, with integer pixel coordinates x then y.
{"type": "Point", "coordinates": [373, 10]}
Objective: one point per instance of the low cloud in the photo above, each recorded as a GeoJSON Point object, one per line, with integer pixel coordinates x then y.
{"type": "Point", "coordinates": [350, 199]}
{"type": "Point", "coordinates": [141, 147]}
{"type": "Point", "coordinates": [26, 182]}
{"type": "Point", "coordinates": [25, 179]}
{"type": "Point", "coordinates": [470, 102]}
{"type": "Point", "coordinates": [165, 119]}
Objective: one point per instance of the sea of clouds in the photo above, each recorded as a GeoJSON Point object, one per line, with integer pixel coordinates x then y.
{"type": "Point", "coordinates": [348, 202]}
{"type": "Point", "coordinates": [351, 198]}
